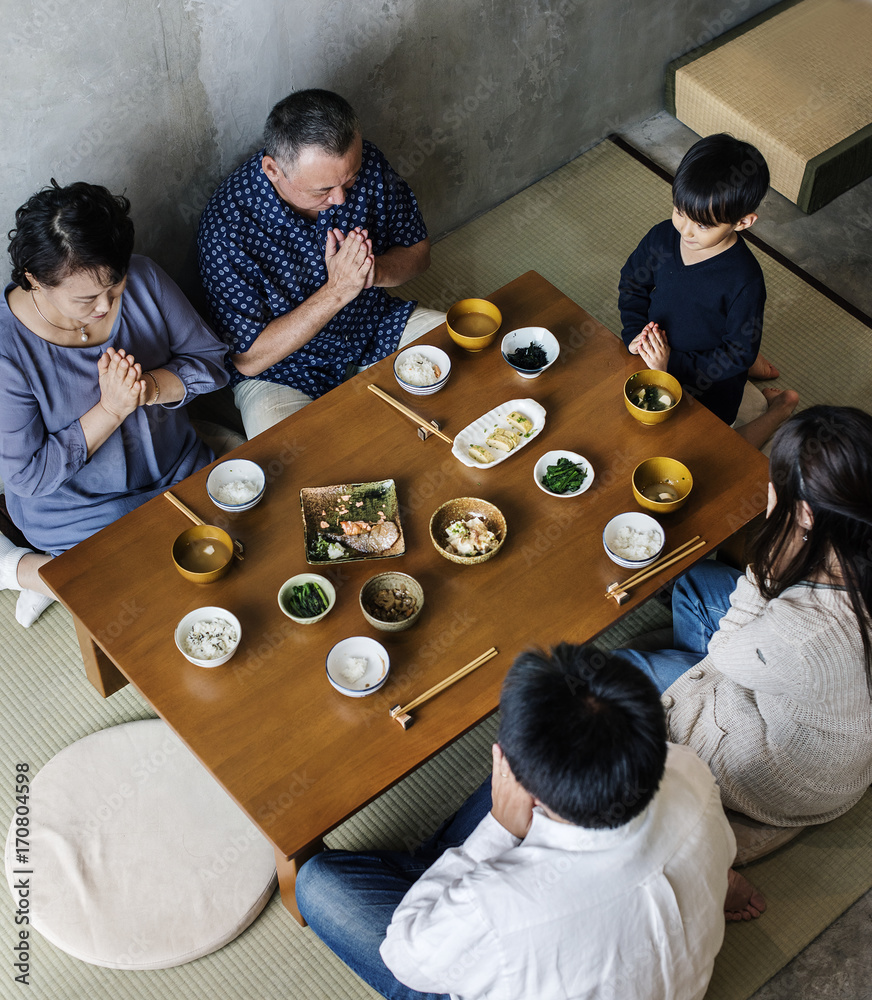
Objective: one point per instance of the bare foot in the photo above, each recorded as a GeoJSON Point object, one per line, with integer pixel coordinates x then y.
{"type": "Point", "coordinates": [781, 400]}
{"type": "Point", "coordinates": [762, 370]}
{"type": "Point", "coordinates": [743, 901]}
{"type": "Point", "coordinates": [781, 403]}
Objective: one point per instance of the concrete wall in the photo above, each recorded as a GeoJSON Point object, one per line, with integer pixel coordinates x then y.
{"type": "Point", "coordinates": [472, 100]}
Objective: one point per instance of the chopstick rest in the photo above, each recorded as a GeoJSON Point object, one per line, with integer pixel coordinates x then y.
{"type": "Point", "coordinates": [429, 426]}
{"type": "Point", "coordinates": [402, 714]}
{"type": "Point", "coordinates": [619, 592]}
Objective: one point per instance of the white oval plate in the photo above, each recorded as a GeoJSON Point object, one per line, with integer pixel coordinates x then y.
{"type": "Point", "coordinates": [478, 430]}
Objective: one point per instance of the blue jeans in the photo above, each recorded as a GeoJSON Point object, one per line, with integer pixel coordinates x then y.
{"type": "Point", "coordinates": [348, 899]}
{"type": "Point", "coordinates": [700, 599]}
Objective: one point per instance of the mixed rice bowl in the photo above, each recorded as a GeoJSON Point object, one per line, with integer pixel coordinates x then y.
{"type": "Point", "coordinates": [422, 369]}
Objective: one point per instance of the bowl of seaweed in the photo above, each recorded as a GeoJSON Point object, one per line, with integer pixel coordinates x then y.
{"type": "Point", "coordinates": [530, 350]}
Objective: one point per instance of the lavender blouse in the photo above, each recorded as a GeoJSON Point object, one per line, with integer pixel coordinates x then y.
{"type": "Point", "coordinates": [54, 492]}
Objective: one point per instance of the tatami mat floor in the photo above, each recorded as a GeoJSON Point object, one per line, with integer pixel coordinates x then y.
{"type": "Point", "coordinates": [835, 246]}
{"type": "Point", "coordinates": [576, 228]}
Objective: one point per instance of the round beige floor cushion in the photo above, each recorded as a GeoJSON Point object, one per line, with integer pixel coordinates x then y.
{"type": "Point", "coordinates": [138, 859]}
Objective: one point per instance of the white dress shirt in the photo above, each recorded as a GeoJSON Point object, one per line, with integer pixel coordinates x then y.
{"type": "Point", "coordinates": [633, 913]}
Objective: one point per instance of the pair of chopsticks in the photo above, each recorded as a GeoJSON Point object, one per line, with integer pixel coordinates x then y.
{"type": "Point", "coordinates": [402, 714]}
{"type": "Point", "coordinates": [620, 591]}
{"type": "Point", "coordinates": [420, 421]}
{"type": "Point", "coordinates": [238, 550]}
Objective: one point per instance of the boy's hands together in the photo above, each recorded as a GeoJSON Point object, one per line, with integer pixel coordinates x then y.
{"type": "Point", "coordinates": [633, 346]}
{"type": "Point", "coordinates": [652, 347]}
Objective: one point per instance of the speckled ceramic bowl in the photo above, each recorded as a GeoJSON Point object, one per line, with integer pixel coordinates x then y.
{"type": "Point", "coordinates": [391, 581]}
{"type": "Point", "coordinates": [462, 509]}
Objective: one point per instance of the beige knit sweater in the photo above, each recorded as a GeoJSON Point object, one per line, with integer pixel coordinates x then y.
{"type": "Point", "coordinates": [779, 708]}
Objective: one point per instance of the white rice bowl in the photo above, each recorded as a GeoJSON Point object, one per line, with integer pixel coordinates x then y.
{"type": "Point", "coordinates": [358, 666]}
{"type": "Point", "coordinates": [415, 369]}
{"type": "Point", "coordinates": [236, 484]}
{"type": "Point", "coordinates": [418, 370]}
{"type": "Point", "coordinates": [208, 637]}
{"type": "Point", "coordinates": [633, 540]}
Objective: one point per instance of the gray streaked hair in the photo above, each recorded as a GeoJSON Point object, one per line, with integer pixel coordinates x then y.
{"type": "Point", "coordinates": [309, 118]}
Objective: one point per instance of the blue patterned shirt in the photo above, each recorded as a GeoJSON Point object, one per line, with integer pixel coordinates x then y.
{"type": "Point", "coordinates": [259, 259]}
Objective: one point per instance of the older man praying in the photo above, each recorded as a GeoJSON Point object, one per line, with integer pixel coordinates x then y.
{"type": "Point", "coordinates": [296, 249]}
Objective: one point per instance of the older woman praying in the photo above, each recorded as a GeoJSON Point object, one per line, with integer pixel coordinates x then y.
{"type": "Point", "coordinates": [99, 352]}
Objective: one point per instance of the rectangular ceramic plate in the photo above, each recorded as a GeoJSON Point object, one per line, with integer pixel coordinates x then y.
{"type": "Point", "coordinates": [479, 429]}
{"type": "Point", "coordinates": [324, 507]}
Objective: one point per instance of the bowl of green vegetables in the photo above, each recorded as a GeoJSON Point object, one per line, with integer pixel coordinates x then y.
{"type": "Point", "coordinates": [563, 473]}
{"type": "Point", "coordinates": [307, 597]}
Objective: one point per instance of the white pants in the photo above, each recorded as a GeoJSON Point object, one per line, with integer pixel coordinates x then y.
{"type": "Point", "coordinates": [263, 404]}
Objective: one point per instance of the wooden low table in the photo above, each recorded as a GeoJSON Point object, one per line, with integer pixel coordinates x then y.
{"type": "Point", "coordinates": [298, 757]}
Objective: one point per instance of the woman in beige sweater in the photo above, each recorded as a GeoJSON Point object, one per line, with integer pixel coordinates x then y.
{"type": "Point", "coordinates": [770, 679]}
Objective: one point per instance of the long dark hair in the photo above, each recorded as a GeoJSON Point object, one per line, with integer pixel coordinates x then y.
{"type": "Point", "coordinates": [823, 456]}
{"type": "Point", "coordinates": [62, 230]}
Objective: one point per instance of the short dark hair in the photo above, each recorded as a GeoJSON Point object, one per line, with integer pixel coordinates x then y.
{"type": "Point", "coordinates": [823, 456]}
{"type": "Point", "coordinates": [720, 180]}
{"type": "Point", "coordinates": [584, 732]}
{"type": "Point", "coordinates": [309, 118]}
{"type": "Point", "coordinates": [60, 231]}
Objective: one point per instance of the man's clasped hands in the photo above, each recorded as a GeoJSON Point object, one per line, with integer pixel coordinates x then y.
{"type": "Point", "coordinates": [349, 259]}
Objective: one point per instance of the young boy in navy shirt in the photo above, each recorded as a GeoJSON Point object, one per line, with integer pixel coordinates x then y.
{"type": "Point", "coordinates": [691, 294]}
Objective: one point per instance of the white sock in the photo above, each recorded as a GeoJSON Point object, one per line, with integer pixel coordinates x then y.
{"type": "Point", "coordinates": [10, 556]}
{"type": "Point", "coordinates": [30, 606]}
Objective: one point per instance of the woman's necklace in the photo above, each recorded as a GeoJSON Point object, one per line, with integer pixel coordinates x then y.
{"type": "Point", "coordinates": [82, 330]}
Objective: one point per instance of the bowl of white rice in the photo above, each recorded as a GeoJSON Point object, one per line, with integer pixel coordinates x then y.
{"type": "Point", "coordinates": [422, 369]}
{"type": "Point", "coordinates": [633, 540]}
{"type": "Point", "coordinates": [208, 637]}
{"type": "Point", "coordinates": [358, 666]}
{"type": "Point", "coordinates": [236, 485]}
